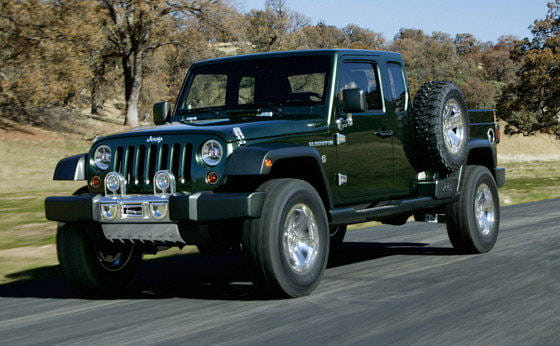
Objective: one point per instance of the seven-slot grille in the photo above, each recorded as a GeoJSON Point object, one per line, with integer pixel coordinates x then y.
{"type": "Point", "coordinates": [139, 163]}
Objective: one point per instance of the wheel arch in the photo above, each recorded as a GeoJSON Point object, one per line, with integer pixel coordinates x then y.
{"type": "Point", "coordinates": [483, 153]}
{"type": "Point", "coordinates": [247, 166]}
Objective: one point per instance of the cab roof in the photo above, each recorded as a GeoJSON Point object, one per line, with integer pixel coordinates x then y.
{"type": "Point", "coordinates": [311, 52]}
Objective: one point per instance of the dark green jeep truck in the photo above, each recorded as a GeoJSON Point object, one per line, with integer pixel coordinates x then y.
{"type": "Point", "coordinates": [274, 155]}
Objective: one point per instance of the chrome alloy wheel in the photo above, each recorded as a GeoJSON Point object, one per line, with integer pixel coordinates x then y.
{"type": "Point", "coordinates": [484, 209]}
{"type": "Point", "coordinates": [113, 258]}
{"type": "Point", "coordinates": [301, 238]}
{"type": "Point", "coordinates": [453, 126]}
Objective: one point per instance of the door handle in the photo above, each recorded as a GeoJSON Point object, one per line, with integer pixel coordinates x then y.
{"type": "Point", "coordinates": [384, 133]}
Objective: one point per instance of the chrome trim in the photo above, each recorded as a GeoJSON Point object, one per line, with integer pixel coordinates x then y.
{"type": "Point", "coordinates": [491, 135]}
{"type": "Point", "coordinates": [484, 210]}
{"type": "Point", "coordinates": [454, 132]}
{"type": "Point", "coordinates": [341, 179]}
{"type": "Point", "coordinates": [240, 136]}
{"type": "Point", "coordinates": [340, 139]}
{"type": "Point", "coordinates": [80, 170]}
{"type": "Point", "coordinates": [320, 143]}
{"type": "Point", "coordinates": [193, 206]}
{"type": "Point", "coordinates": [300, 239]}
{"type": "Point", "coordinates": [131, 201]}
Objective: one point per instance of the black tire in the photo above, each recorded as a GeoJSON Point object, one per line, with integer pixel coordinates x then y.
{"type": "Point", "coordinates": [465, 232]}
{"type": "Point", "coordinates": [337, 236]}
{"type": "Point", "coordinates": [263, 239]}
{"type": "Point", "coordinates": [78, 250]}
{"type": "Point", "coordinates": [429, 108]}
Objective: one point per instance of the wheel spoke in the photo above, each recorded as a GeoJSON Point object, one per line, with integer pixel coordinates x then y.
{"type": "Point", "coordinates": [300, 238]}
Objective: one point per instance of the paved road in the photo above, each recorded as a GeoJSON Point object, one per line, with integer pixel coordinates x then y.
{"type": "Point", "coordinates": [385, 285]}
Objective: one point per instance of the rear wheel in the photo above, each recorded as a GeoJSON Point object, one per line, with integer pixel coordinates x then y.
{"type": "Point", "coordinates": [473, 221]}
{"type": "Point", "coordinates": [288, 245]}
{"type": "Point", "coordinates": [94, 264]}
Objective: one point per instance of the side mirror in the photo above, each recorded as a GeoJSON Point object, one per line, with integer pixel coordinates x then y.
{"type": "Point", "coordinates": [353, 101]}
{"type": "Point", "coordinates": [161, 113]}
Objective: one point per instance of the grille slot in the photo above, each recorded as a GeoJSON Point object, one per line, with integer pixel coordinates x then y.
{"type": "Point", "coordinates": [139, 163]}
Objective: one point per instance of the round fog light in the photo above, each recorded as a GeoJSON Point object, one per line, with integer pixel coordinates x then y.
{"type": "Point", "coordinates": [164, 182]}
{"type": "Point", "coordinates": [158, 210]}
{"type": "Point", "coordinates": [115, 182]}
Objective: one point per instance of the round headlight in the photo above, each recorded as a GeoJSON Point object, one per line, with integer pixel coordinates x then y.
{"type": "Point", "coordinates": [212, 152]}
{"type": "Point", "coordinates": [102, 157]}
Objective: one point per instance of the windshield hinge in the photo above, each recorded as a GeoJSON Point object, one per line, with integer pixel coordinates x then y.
{"type": "Point", "coordinates": [240, 136]}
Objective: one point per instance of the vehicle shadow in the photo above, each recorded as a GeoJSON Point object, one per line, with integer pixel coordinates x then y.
{"type": "Point", "coordinates": [198, 277]}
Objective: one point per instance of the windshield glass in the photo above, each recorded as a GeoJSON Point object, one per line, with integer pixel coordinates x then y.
{"type": "Point", "coordinates": [257, 84]}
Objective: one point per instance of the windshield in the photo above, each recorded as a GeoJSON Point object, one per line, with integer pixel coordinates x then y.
{"type": "Point", "coordinates": [256, 84]}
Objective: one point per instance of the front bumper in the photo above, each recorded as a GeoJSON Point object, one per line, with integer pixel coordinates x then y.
{"type": "Point", "coordinates": [200, 207]}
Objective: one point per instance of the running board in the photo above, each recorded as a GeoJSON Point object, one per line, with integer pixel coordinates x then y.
{"type": "Point", "coordinates": [343, 216]}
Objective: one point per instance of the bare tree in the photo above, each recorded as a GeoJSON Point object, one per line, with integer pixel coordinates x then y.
{"type": "Point", "coordinates": [136, 28]}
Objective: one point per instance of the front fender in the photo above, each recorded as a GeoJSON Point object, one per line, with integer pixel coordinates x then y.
{"type": "Point", "coordinates": [251, 160]}
{"type": "Point", "coordinates": [71, 168]}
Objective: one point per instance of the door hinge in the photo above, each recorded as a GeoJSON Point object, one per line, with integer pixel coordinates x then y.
{"type": "Point", "coordinates": [341, 179]}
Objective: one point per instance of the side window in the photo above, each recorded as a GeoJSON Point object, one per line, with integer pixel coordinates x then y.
{"type": "Point", "coordinates": [307, 87]}
{"type": "Point", "coordinates": [398, 86]}
{"type": "Point", "coordinates": [246, 91]}
{"type": "Point", "coordinates": [363, 76]}
{"type": "Point", "coordinates": [207, 90]}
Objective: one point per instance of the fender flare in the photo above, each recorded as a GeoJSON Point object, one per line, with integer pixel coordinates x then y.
{"type": "Point", "coordinates": [71, 168]}
{"type": "Point", "coordinates": [247, 161]}
{"type": "Point", "coordinates": [479, 143]}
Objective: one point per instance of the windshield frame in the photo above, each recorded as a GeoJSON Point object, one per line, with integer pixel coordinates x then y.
{"type": "Point", "coordinates": [278, 109]}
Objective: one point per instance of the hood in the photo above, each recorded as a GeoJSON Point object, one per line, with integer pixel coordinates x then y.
{"type": "Point", "coordinates": [225, 129]}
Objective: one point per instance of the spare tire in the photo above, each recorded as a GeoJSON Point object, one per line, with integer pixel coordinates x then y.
{"type": "Point", "coordinates": [441, 127]}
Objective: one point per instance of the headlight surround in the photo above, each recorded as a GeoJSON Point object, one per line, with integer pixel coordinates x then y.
{"type": "Point", "coordinates": [102, 157]}
{"type": "Point", "coordinates": [211, 152]}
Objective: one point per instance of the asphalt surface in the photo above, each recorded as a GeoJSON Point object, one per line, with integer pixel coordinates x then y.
{"type": "Point", "coordinates": [386, 285]}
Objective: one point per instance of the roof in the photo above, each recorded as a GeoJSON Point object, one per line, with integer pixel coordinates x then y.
{"type": "Point", "coordinates": [293, 53]}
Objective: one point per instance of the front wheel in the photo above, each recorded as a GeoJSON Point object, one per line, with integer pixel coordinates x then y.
{"type": "Point", "coordinates": [473, 221]}
{"type": "Point", "coordinates": [288, 245]}
{"type": "Point", "coordinates": [93, 263]}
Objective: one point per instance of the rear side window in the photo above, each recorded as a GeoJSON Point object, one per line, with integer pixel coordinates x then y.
{"type": "Point", "coordinates": [363, 76]}
{"type": "Point", "coordinates": [398, 86]}
{"type": "Point", "coordinates": [246, 91]}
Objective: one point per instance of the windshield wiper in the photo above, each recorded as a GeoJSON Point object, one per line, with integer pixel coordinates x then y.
{"type": "Point", "coordinates": [258, 109]}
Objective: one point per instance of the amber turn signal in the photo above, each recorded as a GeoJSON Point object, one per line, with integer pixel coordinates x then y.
{"type": "Point", "coordinates": [212, 178]}
{"type": "Point", "coordinates": [95, 182]}
{"type": "Point", "coordinates": [268, 163]}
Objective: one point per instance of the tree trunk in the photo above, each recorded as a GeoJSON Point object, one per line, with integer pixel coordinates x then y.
{"type": "Point", "coordinates": [132, 67]}
{"type": "Point", "coordinates": [97, 97]}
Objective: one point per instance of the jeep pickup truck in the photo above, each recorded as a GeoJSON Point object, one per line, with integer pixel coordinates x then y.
{"type": "Point", "coordinates": [273, 155]}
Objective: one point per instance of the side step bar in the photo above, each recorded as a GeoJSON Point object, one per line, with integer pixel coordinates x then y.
{"type": "Point", "coordinates": [342, 216]}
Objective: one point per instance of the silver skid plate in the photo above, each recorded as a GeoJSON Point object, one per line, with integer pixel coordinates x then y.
{"type": "Point", "coordinates": [154, 232]}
